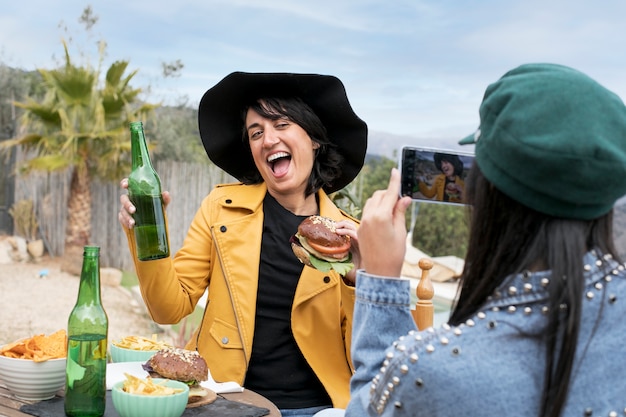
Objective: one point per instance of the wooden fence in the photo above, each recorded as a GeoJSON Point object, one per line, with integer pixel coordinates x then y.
{"type": "Point", "coordinates": [187, 183]}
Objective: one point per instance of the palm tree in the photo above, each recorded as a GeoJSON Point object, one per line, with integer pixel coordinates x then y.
{"type": "Point", "coordinates": [81, 124]}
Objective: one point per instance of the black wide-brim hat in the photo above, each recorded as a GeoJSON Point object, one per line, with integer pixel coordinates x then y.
{"type": "Point", "coordinates": [221, 123]}
{"type": "Point", "coordinates": [452, 158]}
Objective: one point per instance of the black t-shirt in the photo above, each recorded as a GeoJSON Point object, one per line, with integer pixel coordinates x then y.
{"type": "Point", "coordinates": [446, 196]}
{"type": "Point", "coordinates": [277, 368]}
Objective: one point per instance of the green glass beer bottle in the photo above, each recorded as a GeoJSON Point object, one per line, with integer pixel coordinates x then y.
{"type": "Point", "coordinates": [144, 191]}
{"type": "Point", "coordinates": [87, 331]}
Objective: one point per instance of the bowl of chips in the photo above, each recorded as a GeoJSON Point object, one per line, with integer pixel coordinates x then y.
{"type": "Point", "coordinates": [34, 368]}
{"type": "Point", "coordinates": [135, 348]}
{"type": "Point", "coordinates": [149, 397]}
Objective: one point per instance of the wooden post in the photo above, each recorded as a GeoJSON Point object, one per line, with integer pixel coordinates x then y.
{"type": "Point", "coordinates": [424, 309]}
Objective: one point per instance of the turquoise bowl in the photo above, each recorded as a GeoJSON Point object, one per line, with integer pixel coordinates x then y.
{"type": "Point", "coordinates": [136, 405]}
{"type": "Point", "coordinates": [119, 354]}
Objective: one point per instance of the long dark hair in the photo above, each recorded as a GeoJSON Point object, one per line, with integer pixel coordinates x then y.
{"type": "Point", "coordinates": [507, 237]}
{"type": "Point", "coordinates": [327, 164]}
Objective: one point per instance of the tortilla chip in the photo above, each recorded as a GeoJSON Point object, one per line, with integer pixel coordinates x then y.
{"type": "Point", "coordinates": [38, 348]}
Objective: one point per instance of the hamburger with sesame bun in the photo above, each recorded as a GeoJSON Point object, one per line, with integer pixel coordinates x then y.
{"type": "Point", "coordinates": [180, 365]}
{"type": "Point", "coordinates": [318, 245]}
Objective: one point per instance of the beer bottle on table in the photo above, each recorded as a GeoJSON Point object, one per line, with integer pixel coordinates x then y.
{"type": "Point", "coordinates": [144, 191]}
{"type": "Point", "coordinates": [87, 331]}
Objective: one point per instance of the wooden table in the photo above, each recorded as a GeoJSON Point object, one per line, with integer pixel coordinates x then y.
{"type": "Point", "coordinates": [10, 405]}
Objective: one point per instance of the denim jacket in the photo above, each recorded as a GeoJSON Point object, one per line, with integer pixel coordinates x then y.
{"type": "Point", "coordinates": [486, 366]}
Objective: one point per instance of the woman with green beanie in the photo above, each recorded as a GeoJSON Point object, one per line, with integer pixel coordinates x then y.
{"type": "Point", "coordinates": [538, 325]}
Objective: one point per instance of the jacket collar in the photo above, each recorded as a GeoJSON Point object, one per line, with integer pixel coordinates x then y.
{"type": "Point", "coordinates": [250, 197]}
{"type": "Point", "coordinates": [528, 287]}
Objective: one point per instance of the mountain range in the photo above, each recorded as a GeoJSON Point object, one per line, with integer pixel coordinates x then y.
{"type": "Point", "coordinates": [389, 144]}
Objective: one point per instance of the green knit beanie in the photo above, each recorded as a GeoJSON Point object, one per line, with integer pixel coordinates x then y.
{"type": "Point", "coordinates": [554, 140]}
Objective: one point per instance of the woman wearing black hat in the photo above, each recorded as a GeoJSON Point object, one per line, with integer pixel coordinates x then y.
{"type": "Point", "coordinates": [270, 324]}
{"type": "Point", "coordinates": [447, 186]}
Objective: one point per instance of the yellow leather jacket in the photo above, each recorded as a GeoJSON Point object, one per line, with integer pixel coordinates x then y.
{"type": "Point", "coordinates": [437, 189]}
{"type": "Point", "coordinates": [221, 251]}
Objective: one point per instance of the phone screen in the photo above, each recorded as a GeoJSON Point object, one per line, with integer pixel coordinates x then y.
{"type": "Point", "coordinates": [434, 175]}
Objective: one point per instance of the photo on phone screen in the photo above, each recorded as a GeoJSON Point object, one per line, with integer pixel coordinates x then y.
{"type": "Point", "coordinates": [434, 175]}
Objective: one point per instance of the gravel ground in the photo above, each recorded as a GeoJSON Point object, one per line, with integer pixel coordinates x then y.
{"type": "Point", "coordinates": [30, 304]}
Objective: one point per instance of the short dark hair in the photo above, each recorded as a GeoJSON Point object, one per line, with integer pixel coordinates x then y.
{"type": "Point", "coordinates": [506, 238]}
{"type": "Point", "coordinates": [327, 163]}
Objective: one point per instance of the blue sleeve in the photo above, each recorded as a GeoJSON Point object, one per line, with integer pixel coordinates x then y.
{"type": "Point", "coordinates": [382, 313]}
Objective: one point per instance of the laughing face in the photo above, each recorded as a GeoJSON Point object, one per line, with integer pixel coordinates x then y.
{"type": "Point", "coordinates": [282, 151]}
{"type": "Point", "coordinates": [447, 168]}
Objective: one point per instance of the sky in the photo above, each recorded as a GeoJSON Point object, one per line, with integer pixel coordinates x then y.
{"type": "Point", "coordinates": [415, 68]}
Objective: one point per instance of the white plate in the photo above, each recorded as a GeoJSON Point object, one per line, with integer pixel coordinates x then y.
{"type": "Point", "coordinates": [116, 371]}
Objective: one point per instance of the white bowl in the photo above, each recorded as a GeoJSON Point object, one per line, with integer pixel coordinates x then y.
{"type": "Point", "coordinates": [30, 380]}
{"type": "Point", "coordinates": [135, 405]}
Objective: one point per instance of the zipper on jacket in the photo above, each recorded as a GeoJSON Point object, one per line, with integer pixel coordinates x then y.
{"type": "Point", "coordinates": [230, 295]}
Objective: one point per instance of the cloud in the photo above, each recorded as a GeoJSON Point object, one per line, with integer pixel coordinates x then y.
{"type": "Point", "coordinates": [415, 67]}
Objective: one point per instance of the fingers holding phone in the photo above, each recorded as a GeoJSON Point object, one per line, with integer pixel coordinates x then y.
{"type": "Point", "coordinates": [382, 233]}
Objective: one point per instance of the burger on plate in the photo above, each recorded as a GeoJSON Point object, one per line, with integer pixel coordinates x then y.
{"type": "Point", "coordinates": [181, 365]}
{"type": "Point", "coordinates": [318, 245]}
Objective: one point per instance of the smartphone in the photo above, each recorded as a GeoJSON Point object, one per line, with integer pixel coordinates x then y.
{"type": "Point", "coordinates": [434, 175]}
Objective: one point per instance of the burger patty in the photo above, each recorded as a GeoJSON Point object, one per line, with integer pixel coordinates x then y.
{"type": "Point", "coordinates": [180, 364]}
{"type": "Point", "coordinates": [322, 252]}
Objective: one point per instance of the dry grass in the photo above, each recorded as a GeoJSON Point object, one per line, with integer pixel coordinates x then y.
{"type": "Point", "coordinates": [38, 298]}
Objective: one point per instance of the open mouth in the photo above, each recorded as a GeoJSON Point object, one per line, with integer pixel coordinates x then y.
{"type": "Point", "coordinates": [279, 162]}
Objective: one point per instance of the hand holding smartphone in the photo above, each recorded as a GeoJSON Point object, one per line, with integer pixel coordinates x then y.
{"type": "Point", "coordinates": [434, 175]}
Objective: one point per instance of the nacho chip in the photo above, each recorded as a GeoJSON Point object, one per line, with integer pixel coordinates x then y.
{"type": "Point", "coordinates": [54, 345]}
{"type": "Point", "coordinates": [38, 348]}
{"type": "Point", "coordinates": [16, 348]}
